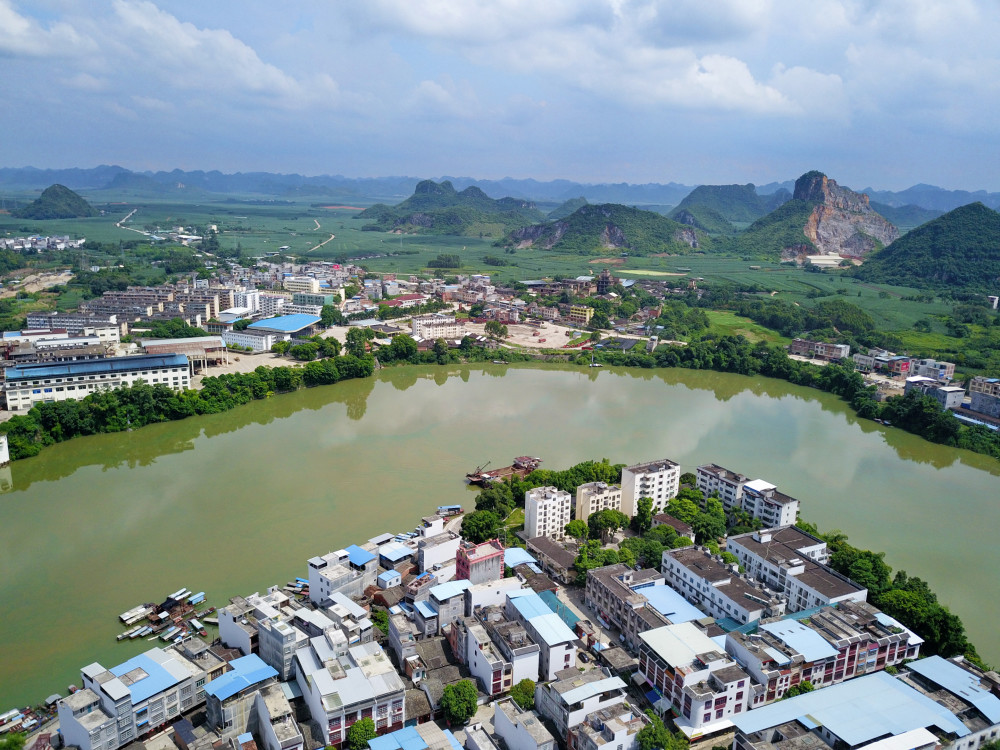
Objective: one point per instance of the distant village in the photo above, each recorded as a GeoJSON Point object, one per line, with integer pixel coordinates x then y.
{"type": "Point", "coordinates": [762, 646]}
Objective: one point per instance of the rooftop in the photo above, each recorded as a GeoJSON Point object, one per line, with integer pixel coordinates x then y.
{"type": "Point", "coordinates": [514, 556]}
{"type": "Point", "coordinates": [246, 672]}
{"type": "Point", "coordinates": [108, 364]}
{"type": "Point", "coordinates": [652, 466]}
{"type": "Point", "coordinates": [286, 323]}
{"type": "Point", "coordinates": [679, 645]}
{"type": "Point", "coordinates": [671, 604]}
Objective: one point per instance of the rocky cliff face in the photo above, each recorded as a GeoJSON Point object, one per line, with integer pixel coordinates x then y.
{"type": "Point", "coordinates": [842, 222]}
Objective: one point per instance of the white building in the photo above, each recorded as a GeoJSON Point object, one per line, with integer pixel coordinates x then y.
{"type": "Point", "coordinates": [259, 341]}
{"type": "Point", "coordinates": [546, 512]}
{"type": "Point", "coordinates": [436, 327]}
{"type": "Point", "coordinates": [27, 385]}
{"type": "Point", "coordinates": [349, 571]}
{"type": "Point", "coordinates": [306, 284]}
{"type": "Point", "coordinates": [272, 305]}
{"type": "Point", "coordinates": [248, 298]}
{"type": "Point", "coordinates": [763, 501]}
{"type": "Point", "coordinates": [593, 497]}
{"type": "Point", "coordinates": [659, 480]}
{"type": "Point", "coordinates": [556, 641]}
{"type": "Point", "coordinates": [568, 702]}
{"type": "Point", "coordinates": [727, 484]}
{"type": "Point", "coordinates": [519, 729]}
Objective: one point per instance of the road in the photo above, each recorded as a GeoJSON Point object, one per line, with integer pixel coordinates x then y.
{"type": "Point", "coordinates": [322, 243]}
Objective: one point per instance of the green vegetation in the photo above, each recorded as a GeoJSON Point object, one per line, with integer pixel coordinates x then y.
{"type": "Point", "coordinates": [603, 524]}
{"type": "Point", "coordinates": [175, 328]}
{"type": "Point", "coordinates": [439, 209]}
{"type": "Point", "coordinates": [567, 208]}
{"type": "Point", "coordinates": [906, 217]}
{"type": "Point", "coordinates": [523, 694]}
{"type": "Point", "coordinates": [56, 202]}
{"type": "Point", "coordinates": [656, 736]}
{"type": "Point", "coordinates": [459, 702]}
{"type": "Point", "coordinates": [360, 732]}
{"type": "Point", "coordinates": [596, 229]}
{"type": "Point", "coordinates": [908, 599]}
{"type": "Point", "coordinates": [958, 251]}
{"type": "Point", "coordinates": [717, 208]}
{"type": "Point", "coordinates": [801, 689]}
{"type": "Point", "coordinates": [770, 234]}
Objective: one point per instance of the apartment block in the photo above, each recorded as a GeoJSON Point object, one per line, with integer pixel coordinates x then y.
{"type": "Point", "coordinates": [794, 563]}
{"type": "Point", "coordinates": [436, 327]}
{"type": "Point", "coordinates": [349, 571]}
{"type": "Point", "coordinates": [819, 349]}
{"type": "Point", "coordinates": [76, 324]}
{"type": "Point", "coordinates": [547, 511]}
{"type": "Point", "coordinates": [756, 497]}
{"type": "Point", "coordinates": [301, 284]}
{"type": "Point", "coordinates": [702, 684]}
{"type": "Point", "coordinates": [718, 588]}
{"type": "Point", "coordinates": [713, 478]}
{"type": "Point", "coordinates": [985, 393]}
{"type": "Point", "coordinates": [932, 368]}
{"type": "Point", "coordinates": [520, 729]}
{"type": "Point", "coordinates": [568, 700]}
{"type": "Point", "coordinates": [557, 643]}
{"type": "Point", "coordinates": [593, 497]}
{"type": "Point", "coordinates": [659, 480]}
{"type": "Point", "coordinates": [480, 563]}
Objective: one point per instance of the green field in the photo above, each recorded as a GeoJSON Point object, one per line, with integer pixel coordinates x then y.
{"type": "Point", "coordinates": [727, 323]}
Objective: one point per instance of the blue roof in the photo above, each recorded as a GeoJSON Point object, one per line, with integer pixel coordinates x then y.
{"type": "Point", "coordinates": [425, 609]}
{"type": "Point", "coordinates": [157, 677]}
{"type": "Point", "coordinates": [286, 323]}
{"type": "Point", "coordinates": [108, 364]}
{"type": "Point", "coordinates": [450, 588]}
{"type": "Point", "coordinates": [956, 680]}
{"type": "Point", "coordinates": [394, 551]}
{"type": "Point", "coordinates": [358, 556]}
{"type": "Point", "coordinates": [246, 671]}
{"type": "Point", "coordinates": [671, 605]}
{"type": "Point", "coordinates": [802, 638]}
{"type": "Point", "coordinates": [547, 624]}
{"type": "Point", "coordinates": [513, 556]}
{"type": "Point", "coordinates": [408, 738]}
{"type": "Point", "coordinates": [564, 612]}
{"type": "Point", "coordinates": [245, 737]}
{"type": "Point", "coordinates": [858, 711]}
{"type": "Point", "coordinates": [389, 575]}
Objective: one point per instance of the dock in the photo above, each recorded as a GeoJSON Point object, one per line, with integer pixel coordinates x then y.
{"type": "Point", "coordinates": [522, 466]}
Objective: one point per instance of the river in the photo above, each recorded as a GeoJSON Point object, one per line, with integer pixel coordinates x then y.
{"type": "Point", "coordinates": [232, 503]}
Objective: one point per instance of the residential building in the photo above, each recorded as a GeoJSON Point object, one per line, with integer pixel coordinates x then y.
{"type": "Point", "coordinates": [556, 558]}
{"type": "Point", "coordinates": [546, 512]}
{"type": "Point", "coordinates": [231, 696]}
{"type": "Point", "coordinates": [271, 305]}
{"type": "Point", "coordinates": [876, 711]}
{"type": "Point", "coordinates": [833, 644]}
{"type": "Point", "coordinates": [568, 700]}
{"type": "Point", "coordinates": [985, 393]}
{"type": "Point", "coordinates": [436, 326]}
{"type": "Point", "coordinates": [319, 299]}
{"type": "Point", "coordinates": [28, 385]}
{"type": "Point", "coordinates": [949, 396]}
{"type": "Point", "coordinates": [616, 592]}
{"type": "Point", "coordinates": [340, 691]}
{"type": "Point", "coordinates": [426, 736]}
{"type": "Point", "coordinates": [78, 323]}
{"type": "Point", "coordinates": [596, 496]}
{"type": "Point", "coordinates": [931, 368]}
{"type": "Point", "coordinates": [659, 480]}
{"type": "Point", "coordinates": [763, 501]}
{"type": "Point", "coordinates": [301, 284]}
{"type": "Point", "coordinates": [520, 655]}
{"type": "Point", "coordinates": [447, 601]}
{"type": "Point", "coordinates": [406, 301]}
{"type": "Point", "coordinates": [520, 729]}
{"type": "Point", "coordinates": [485, 662]}
{"type": "Point", "coordinates": [794, 563]}
{"type": "Point", "coordinates": [294, 309]}
{"type": "Point", "coordinates": [580, 314]}
{"type": "Point", "coordinates": [714, 479]}
{"type": "Point", "coordinates": [879, 360]}
{"type": "Point", "coordinates": [610, 728]}
{"type": "Point", "coordinates": [438, 551]}
{"type": "Point", "coordinates": [247, 298]}
{"type": "Point", "coordinates": [557, 643]}
{"type": "Point", "coordinates": [682, 529]}
{"type": "Point", "coordinates": [118, 705]}
{"type": "Point", "coordinates": [349, 571]}
{"type": "Point", "coordinates": [480, 563]}
{"type": "Point", "coordinates": [819, 349]}
{"type": "Point", "coordinates": [698, 680]}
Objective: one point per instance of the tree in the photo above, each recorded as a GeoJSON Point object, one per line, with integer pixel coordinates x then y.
{"type": "Point", "coordinates": [496, 330]}
{"type": "Point", "coordinates": [360, 732]}
{"type": "Point", "coordinates": [802, 688]}
{"type": "Point", "coordinates": [710, 523]}
{"type": "Point", "coordinates": [441, 351]}
{"type": "Point", "coordinates": [357, 339]}
{"type": "Point", "coordinates": [523, 694]}
{"type": "Point", "coordinates": [280, 347]}
{"type": "Point", "coordinates": [459, 701]}
{"type": "Point", "coordinates": [690, 479]}
{"type": "Point", "coordinates": [577, 529]}
{"type": "Point", "coordinates": [605, 523]}
{"type": "Point", "coordinates": [656, 736]}
{"type": "Point", "coordinates": [595, 336]}
{"type": "Point", "coordinates": [331, 316]}
{"type": "Point", "coordinates": [643, 520]}
{"type": "Point", "coordinates": [480, 526]}
{"type": "Point", "coordinates": [380, 619]}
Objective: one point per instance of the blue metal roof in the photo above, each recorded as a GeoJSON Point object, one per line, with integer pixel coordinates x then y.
{"type": "Point", "coordinates": [516, 556]}
{"type": "Point", "coordinates": [858, 711]}
{"type": "Point", "coordinates": [425, 609]}
{"type": "Point", "coordinates": [408, 738]}
{"type": "Point", "coordinates": [156, 681]}
{"type": "Point", "coordinates": [671, 605]}
{"type": "Point", "coordinates": [389, 575]}
{"type": "Point", "coordinates": [358, 556]}
{"type": "Point", "coordinates": [394, 551]}
{"type": "Point", "coordinates": [286, 323]}
{"type": "Point", "coordinates": [245, 737]}
{"type": "Point", "coordinates": [802, 638]}
{"type": "Point", "coordinates": [246, 671]}
{"type": "Point", "coordinates": [956, 680]}
{"type": "Point", "coordinates": [449, 589]}
{"type": "Point", "coordinates": [547, 624]}
{"type": "Point", "coordinates": [108, 364]}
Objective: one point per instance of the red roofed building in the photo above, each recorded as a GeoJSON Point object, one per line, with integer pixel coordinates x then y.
{"type": "Point", "coordinates": [407, 300]}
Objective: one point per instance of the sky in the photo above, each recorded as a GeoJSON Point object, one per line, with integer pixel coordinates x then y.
{"type": "Point", "coordinates": [882, 94]}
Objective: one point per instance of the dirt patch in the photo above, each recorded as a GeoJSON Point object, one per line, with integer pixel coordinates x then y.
{"type": "Point", "coordinates": [608, 261]}
{"type": "Point", "coordinates": [346, 208]}
{"type": "Point", "coordinates": [36, 283]}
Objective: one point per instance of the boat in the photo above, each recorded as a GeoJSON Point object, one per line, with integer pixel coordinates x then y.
{"type": "Point", "coordinates": [522, 466]}
{"type": "Point", "coordinates": [500, 362]}
{"type": "Point", "coordinates": [302, 580]}
{"type": "Point", "coordinates": [169, 633]}
{"type": "Point", "coordinates": [212, 620]}
{"type": "Point", "coordinates": [135, 614]}
{"type": "Point", "coordinates": [593, 363]}
{"type": "Point", "coordinates": [196, 598]}
{"type": "Point", "coordinates": [176, 594]}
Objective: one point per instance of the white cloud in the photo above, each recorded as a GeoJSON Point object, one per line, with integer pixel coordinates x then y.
{"type": "Point", "coordinates": [21, 36]}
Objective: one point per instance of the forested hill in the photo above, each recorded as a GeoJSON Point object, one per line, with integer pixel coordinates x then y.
{"type": "Point", "coordinates": [959, 250]}
{"type": "Point", "coordinates": [56, 202]}
{"type": "Point", "coordinates": [437, 208]}
{"type": "Point", "coordinates": [716, 208]}
{"type": "Point", "coordinates": [609, 227]}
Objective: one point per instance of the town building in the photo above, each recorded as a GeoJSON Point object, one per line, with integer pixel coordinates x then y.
{"type": "Point", "coordinates": [794, 563]}
{"type": "Point", "coordinates": [557, 643]}
{"type": "Point", "coordinates": [949, 396]}
{"type": "Point", "coordinates": [301, 284]}
{"type": "Point", "coordinates": [257, 341]}
{"type": "Point", "coordinates": [425, 736]}
{"type": "Point", "coordinates": [682, 529]}
{"type": "Point", "coordinates": [879, 360]}
{"type": "Point", "coordinates": [118, 705]}
{"type": "Point", "coordinates": [604, 282]}
{"type": "Point", "coordinates": [79, 324]}
{"type": "Point", "coordinates": [340, 691]}
{"type": "Point", "coordinates": [230, 697]}
{"type": "Point", "coordinates": [348, 571]}
{"type": "Point", "coordinates": [201, 351]}
{"type": "Point", "coordinates": [596, 496]}
{"type": "Point", "coordinates": [568, 700]}
{"type": "Point", "coordinates": [520, 729]}
{"type": "Point", "coordinates": [436, 326]}
{"type": "Point", "coordinates": [985, 394]}
{"type": "Point", "coordinates": [480, 563]}
{"type": "Point", "coordinates": [819, 349]}
{"type": "Point", "coordinates": [319, 299]}
{"type": "Point", "coordinates": [546, 512]}
{"type": "Point", "coordinates": [718, 588]}
{"type": "Point", "coordinates": [932, 368]}
{"type": "Point", "coordinates": [617, 594]}
{"type": "Point", "coordinates": [702, 684]}
{"type": "Point", "coordinates": [580, 314]}
{"type": "Point", "coordinates": [875, 711]}
{"type": "Point", "coordinates": [272, 304]}
{"type": "Point", "coordinates": [714, 479]}
{"type": "Point", "coordinates": [609, 728]}
{"type": "Point", "coordinates": [658, 480]}
{"type": "Point", "coordinates": [555, 558]}
{"type": "Point", "coordinates": [28, 385]}
{"type": "Point", "coordinates": [406, 301]}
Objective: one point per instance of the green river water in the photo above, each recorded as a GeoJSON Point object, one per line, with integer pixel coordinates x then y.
{"type": "Point", "coordinates": [232, 503]}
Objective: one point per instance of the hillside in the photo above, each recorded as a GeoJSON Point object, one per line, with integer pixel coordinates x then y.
{"type": "Point", "coordinates": [960, 250]}
{"type": "Point", "coordinates": [561, 212]}
{"type": "Point", "coordinates": [608, 226]}
{"type": "Point", "coordinates": [716, 208]}
{"type": "Point", "coordinates": [437, 208]}
{"type": "Point", "coordinates": [56, 202]}
{"type": "Point", "coordinates": [777, 235]}
{"type": "Point", "coordinates": [906, 217]}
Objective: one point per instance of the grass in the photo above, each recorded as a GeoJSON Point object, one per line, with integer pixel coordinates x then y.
{"type": "Point", "coordinates": [726, 323]}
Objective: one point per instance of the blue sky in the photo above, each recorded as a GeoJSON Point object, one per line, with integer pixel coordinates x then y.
{"type": "Point", "coordinates": [882, 94]}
